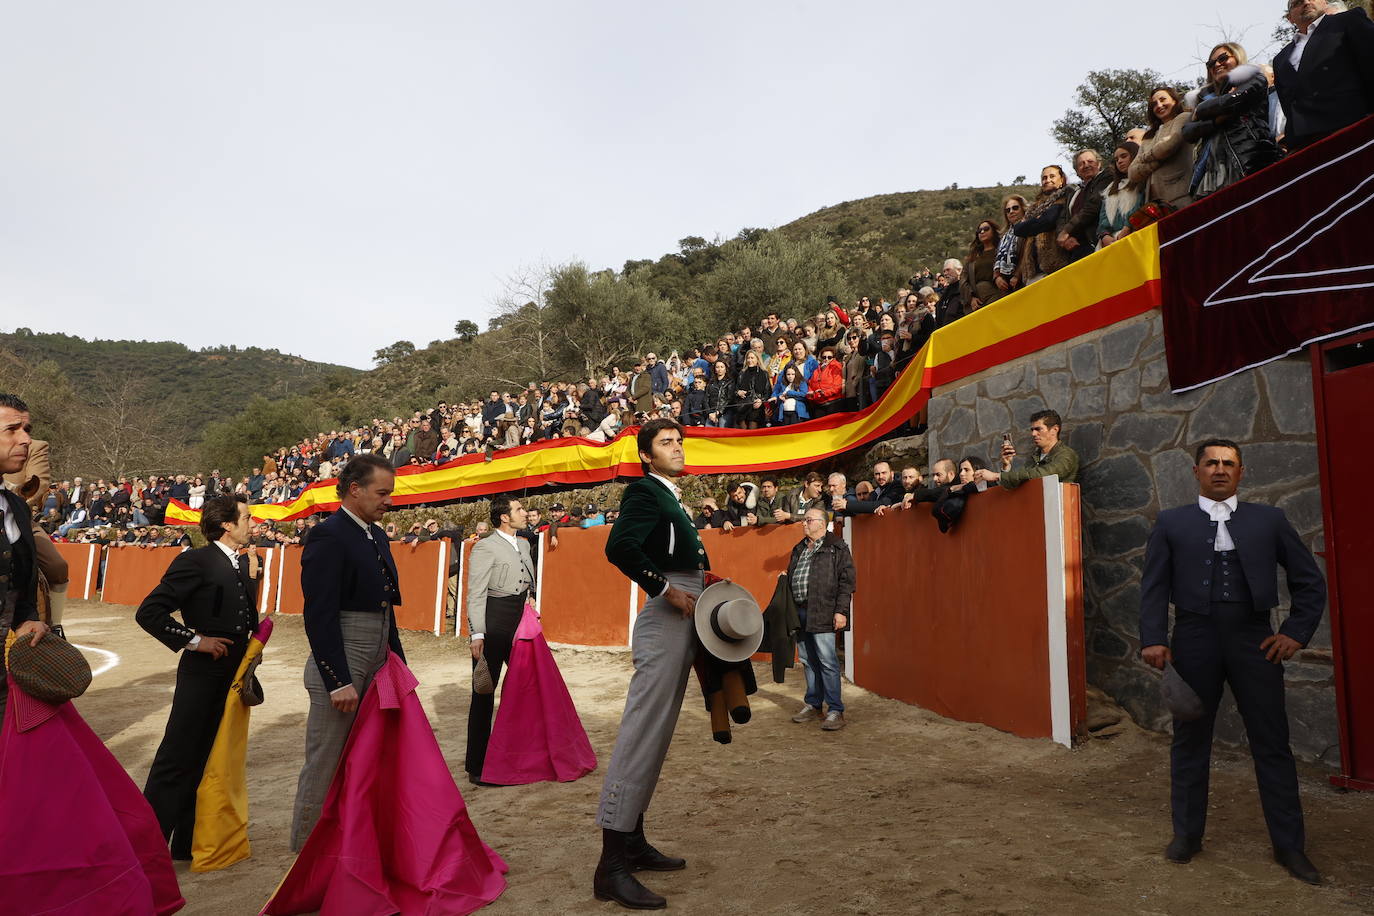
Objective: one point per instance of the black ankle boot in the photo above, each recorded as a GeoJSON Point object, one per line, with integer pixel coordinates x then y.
{"type": "Point", "coordinates": [644, 857]}
{"type": "Point", "coordinates": [613, 880]}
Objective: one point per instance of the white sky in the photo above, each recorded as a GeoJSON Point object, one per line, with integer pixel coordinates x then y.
{"type": "Point", "coordinates": [329, 177]}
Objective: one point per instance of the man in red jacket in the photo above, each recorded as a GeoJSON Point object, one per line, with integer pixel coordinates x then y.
{"type": "Point", "coordinates": [826, 385]}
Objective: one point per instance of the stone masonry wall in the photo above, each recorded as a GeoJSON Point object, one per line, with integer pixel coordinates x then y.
{"type": "Point", "coordinates": [1136, 440]}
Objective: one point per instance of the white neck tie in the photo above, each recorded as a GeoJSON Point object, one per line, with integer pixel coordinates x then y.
{"type": "Point", "coordinates": [1221, 514]}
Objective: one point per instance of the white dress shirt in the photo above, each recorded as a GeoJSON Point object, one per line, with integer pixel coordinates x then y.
{"type": "Point", "coordinates": [1300, 43]}
{"type": "Point", "coordinates": [1220, 513]}
{"type": "Point", "coordinates": [10, 522]}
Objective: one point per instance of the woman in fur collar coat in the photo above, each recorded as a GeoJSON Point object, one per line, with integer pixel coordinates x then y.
{"type": "Point", "coordinates": [1230, 122]}
{"type": "Point", "coordinates": [1164, 167]}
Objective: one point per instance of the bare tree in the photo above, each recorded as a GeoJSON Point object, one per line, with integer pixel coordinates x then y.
{"type": "Point", "coordinates": [122, 433]}
{"type": "Point", "coordinates": [521, 311]}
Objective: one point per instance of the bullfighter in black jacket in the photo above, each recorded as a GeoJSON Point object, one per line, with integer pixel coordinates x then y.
{"type": "Point", "coordinates": [216, 591]}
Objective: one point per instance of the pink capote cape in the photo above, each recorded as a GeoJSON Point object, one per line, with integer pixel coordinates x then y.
{"type": "Point", "coordinates": [77, 834]}
{"type": "Point", "coordinates": [537, 736]}
{"type": "Point", "coordinates": [394, 835]}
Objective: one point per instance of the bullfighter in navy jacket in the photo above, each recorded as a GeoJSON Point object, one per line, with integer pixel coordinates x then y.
{"type": "Point", "coordinates": [1216, 561]}
{"type": "Point", "coordinates": [349, 583]}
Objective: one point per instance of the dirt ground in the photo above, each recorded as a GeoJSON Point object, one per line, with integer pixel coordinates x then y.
{"type": "Point", "coordinates": [902, 812]}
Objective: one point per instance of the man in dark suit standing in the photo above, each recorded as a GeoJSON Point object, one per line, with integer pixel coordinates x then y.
{"type": "Point", "coordinates": [1217, 563]}
{"type": "Point", "coordinates": [654, 543]}
{"type": "Point", "coordinates": [349, 582]}
{"type": "Point", "coordinates": [1325, 75]}
{"type": "Point", "coordinates": [18, 555]}
{"type": "Point", "coordinates": [216, 591]}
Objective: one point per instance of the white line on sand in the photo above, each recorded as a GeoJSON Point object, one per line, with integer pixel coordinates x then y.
{"type": "Point", "coordinates": [111, 659]}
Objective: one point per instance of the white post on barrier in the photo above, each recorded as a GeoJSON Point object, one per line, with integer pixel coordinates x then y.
{"type": "Point", "coordinates": [266, 577]}
{"type": "Point", "coordinates": [1056, 604]}
{"type": "Point", "coordinates": [630, 633]}
{"type": "Point", "coordinates": [441, 596]}
{"type": "Point", "coordinates": [848, 536]}
{"type": "Point", "coordinates": [92, 564]}
{"type": "Point", "coordinates": [281, 578]}
{"type": "Point", "coordinates": [539, 575]}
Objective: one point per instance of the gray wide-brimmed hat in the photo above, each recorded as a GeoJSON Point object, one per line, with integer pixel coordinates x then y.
{"type": "Point", "coordinates": [729, 622]}
{"type": "Point", "coordinates": [1181, 698]}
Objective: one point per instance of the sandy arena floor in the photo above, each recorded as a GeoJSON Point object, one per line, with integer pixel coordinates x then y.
{"type": "Point", "coordinates": [902, 812]}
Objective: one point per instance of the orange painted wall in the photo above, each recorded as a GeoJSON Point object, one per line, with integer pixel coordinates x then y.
{"type": "Point", "coordinates": [957, 623]}
{"type": "Point", "coordinates": [132, 572]}
{"type": "Point", "coordinates": [417, 568]}
{"type": "Point", "coordinates": [586, 600]}
{"type": "Point", "coordinates": [289, 598]}
{"type": "Point", "coordinates": [81, 560]}
{"type": "Point", "coordinates": [418, 572]}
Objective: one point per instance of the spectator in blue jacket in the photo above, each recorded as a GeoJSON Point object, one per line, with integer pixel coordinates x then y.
{"type": "Point", "coordinates": [789, 396]}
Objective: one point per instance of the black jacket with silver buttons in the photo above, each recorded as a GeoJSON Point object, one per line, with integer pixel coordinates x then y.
{"type": "Point", "coordinates": [213, 598]}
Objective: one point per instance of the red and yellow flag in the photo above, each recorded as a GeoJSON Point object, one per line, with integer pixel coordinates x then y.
{"type": "Point", "coordinates": [1118, 283]}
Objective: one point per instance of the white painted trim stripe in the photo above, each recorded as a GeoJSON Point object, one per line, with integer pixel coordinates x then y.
{"type": "Point", "coordinates": [92, 564]}
{"type": "Point", "coordinates": [1250, 203]}
{"type": "Point", "coordinates": [849, 633]}
{"type": "Point", "coordinates": [111, 659]}
{"type": "Point", "coordinates": [266, 577]}
{"type": "Point", "coordinates": [281, 578]}
{"type": "Point", "coordinates": [441, 599]}
{"type": "Point", "coordinates": [1056, 605]}
{"type": "Point", "coordinates": [539, 575]}
{"type": "Point", "coordinates": [1289, 352]}
{"type": "Point", "coordinates": [630, 633]}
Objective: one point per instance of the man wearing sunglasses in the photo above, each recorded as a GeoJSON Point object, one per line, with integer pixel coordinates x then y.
{"type": "Point", "coordinates": [1325, 75]}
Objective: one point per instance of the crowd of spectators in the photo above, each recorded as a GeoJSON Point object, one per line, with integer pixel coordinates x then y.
{"type": "Point", "coordinates": [788, 370]}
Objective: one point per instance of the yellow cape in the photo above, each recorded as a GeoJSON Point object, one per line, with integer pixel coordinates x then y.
{"type": "Point", "coordinates": [221, 832]}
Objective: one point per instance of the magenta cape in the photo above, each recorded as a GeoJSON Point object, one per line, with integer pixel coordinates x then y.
{"type": "Point", "coordinates": [537, 736]}
{"type": "Point", "coordinates": [394, 835]}
{"type": "Point", "coordinates": [78, 835]}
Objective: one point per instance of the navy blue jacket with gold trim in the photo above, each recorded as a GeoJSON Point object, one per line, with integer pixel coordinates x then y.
{"type": "Point", "coordinates": [654, 536]}
{"type": "Point", "coordinates": [340, 572]}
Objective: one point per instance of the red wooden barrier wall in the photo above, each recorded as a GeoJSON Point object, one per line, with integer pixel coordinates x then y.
{"type": "Point", "coordinates": [132, 572]}
{"type": "Point", "coordinates": [419, 570]}
{"type": "Point", "coordinates": [962, 623]}
{"type": "Point", "coordinates": [83, 568]}
{"type": "Point", "coordinates": [586, 601]}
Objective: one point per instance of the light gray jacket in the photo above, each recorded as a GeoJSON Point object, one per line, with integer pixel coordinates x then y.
{"type": "Point", "coordinates": [496, 570]}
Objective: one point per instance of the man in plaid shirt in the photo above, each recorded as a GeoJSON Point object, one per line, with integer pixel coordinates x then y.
{"type": "Point", "coordinates": [821, 573]}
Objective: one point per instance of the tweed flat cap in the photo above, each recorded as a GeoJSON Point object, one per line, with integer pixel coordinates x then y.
{"type": "Point", "coordinates": [53, 671]}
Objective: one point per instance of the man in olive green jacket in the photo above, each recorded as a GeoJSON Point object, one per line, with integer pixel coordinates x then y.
{"type": "Point", "coordinates": [1051, 456]}
{"type": "Point", "coordinates": [655, 543]}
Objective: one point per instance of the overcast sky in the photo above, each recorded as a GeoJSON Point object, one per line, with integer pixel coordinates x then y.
{"type": "Point", "coordinates": [329, 177]}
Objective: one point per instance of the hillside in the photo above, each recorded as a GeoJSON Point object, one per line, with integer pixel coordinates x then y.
{"type": "Point", "coordinates": [160, 406]}
{"type": "Point", "coordinates": [880, 239]}
{"type": "Point", "coordinates": [873, 245]}
{"type": "Point", "coordinates": [142, 406]}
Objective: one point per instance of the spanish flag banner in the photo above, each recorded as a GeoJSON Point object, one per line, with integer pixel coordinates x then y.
{"type": "Point", "coordinates": [1118, 283]}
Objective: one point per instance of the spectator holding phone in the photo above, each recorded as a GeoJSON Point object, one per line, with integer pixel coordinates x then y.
{"type": "Point", "coordinates": [1051, 456]}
